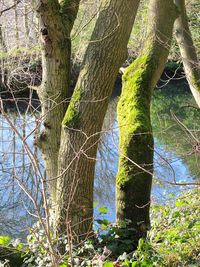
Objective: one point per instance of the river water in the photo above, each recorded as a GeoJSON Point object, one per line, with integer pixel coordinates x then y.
{"type": "Point", "coordinates": [176, 127]}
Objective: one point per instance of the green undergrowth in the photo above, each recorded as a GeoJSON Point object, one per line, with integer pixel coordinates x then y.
{"type": "Point", "coordinates": [175, 233]}
{"type": "Point", "coordinates": [173, 66]}
{"type": "Point", "coordinates": [19, 52]}
{"type": "Point", "coordinates": [174, 240]}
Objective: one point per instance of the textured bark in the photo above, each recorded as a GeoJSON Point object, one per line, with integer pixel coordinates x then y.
{"type": "Point", "coordinates": [3, 49]}
{"type": "Point", "coordinates": [83, 120]}
{"type": "Point", "coordinates": [187, 49]}
{"type": "Point", "coordinates": [16, 24]}
{"type": "Point", "coordinates": [135, 169]}
{"type": "Point", "coordinates": [55, 28]}
{"type": "Point", "coordinates": [26, 24]}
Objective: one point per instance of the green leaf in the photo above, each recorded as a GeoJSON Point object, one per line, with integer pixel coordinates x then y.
{"type": "Point", "coordinates": [145, 264]}
{"type": "Point", "coordinates": [179, 203]}
{"type": "Point", "coordinates": [140, 243]}
{"type": "Point", "coordinates": [125, 264]}
{"type": "Point", "coordinates": [5, 240]}
{"type": "Point", "coordinates": [20, 246]}
{"type": "Point", "coordinates": [134, 264]}
{"type": "Point", "coordinates": [103, 210]}
{"type": "Point", "coordinates": [108, 264]}
{"type": "Point", "coordinates": [103, 222]}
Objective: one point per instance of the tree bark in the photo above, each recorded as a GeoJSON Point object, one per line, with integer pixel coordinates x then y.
{"type": "Point", "coordinates": [136, 147]}
{"type": "Point", "coordinates": [16, 24]}
{"type": "Point", "coordinates": [26, 23]}
{"type": "Point", "coordinates": [56, 21]}
{"type": "Point", "coordinates": [4, 50]}
{"type": "Point", "coordinates": [188, 51]}
{"type": "Point", "coordinates": [84, 117]}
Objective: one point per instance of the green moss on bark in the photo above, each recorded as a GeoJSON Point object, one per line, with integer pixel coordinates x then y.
{"type": "Point", "coordinates": [134, 176]}
{"type": "Point", "coordinates": [71, 118]}
{"type": "Point", "coordinates": [195, 80]}
{"type": "Point", "coordinates": [134, 114]}
{"type": "Point", "coordinates": [136, 142]}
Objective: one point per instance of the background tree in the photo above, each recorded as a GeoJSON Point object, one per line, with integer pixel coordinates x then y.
{"type": "Point", "coordinates": [187, 50]}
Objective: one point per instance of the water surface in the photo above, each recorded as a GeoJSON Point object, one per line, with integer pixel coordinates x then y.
{"type": "Point", "coordinates": [175, 121]}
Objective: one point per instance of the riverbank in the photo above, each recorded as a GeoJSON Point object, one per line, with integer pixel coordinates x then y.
{"type": "Point", "coordinates": [22, 69]}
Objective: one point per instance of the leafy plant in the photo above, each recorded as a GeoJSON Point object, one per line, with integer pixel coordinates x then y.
{"type": "Point", "coordinates": [175, 230]}
{"type": "Point", "coordinates": [5, 240]}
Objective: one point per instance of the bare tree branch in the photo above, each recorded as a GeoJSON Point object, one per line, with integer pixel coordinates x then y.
{"type": "Point", "coordinates": [10, 7]}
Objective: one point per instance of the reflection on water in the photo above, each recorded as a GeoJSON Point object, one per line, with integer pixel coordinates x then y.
{"type": "Point", "coordinates": [16, 170]}
{"type": "Point", "coordinates": [176, 127]}
{"type": "Point", "coordinates": [176, 159]}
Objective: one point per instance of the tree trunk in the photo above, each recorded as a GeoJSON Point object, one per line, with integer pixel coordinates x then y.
{"type": "Point", "coordinates": [16, 24]}
{"type": "Point", "coordinates": [187, 49]}
{"type": "Point", "coordinates": [56, 21]}
{"type": "Point", "coordinates": [4, 50]}
{"type": "Point", "coordinates": [136, 147]}
{"type": "Point", "coordinates": [26, 23]}
{"type": "Point", "coordinates": [84, 117]}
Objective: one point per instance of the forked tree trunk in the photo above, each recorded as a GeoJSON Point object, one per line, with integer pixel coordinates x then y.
{"type": "Point", "coordinates": [136, 147]}
{"type": "Point", "coordinates": [56, 21]}
{"type": "Point", "coordinates": [187, 49]}
{"type": "Point", "coordinates": [83, 120]}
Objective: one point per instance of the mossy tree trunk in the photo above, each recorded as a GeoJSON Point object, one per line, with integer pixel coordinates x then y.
{"type": "Point", "coordinates": [187, 49]}
{"type": "Point", "coordinates": [134, 177]}
{"type": "Point", "coordinates": [83, 120]}
{"type": "Point", "coordinates": [56, 22]}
